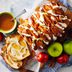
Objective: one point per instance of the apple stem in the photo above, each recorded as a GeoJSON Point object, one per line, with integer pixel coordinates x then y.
{"type": "Point", "coordinates": [54, 49]}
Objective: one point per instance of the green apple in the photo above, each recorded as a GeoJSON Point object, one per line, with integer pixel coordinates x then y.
{"type": "Point", "coordinates": [55, 49]}
{"type": "Point", "coordinates": [68, 47]}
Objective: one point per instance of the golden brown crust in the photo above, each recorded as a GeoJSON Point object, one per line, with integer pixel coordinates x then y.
{"type": "Point", "coordinates": [48, 22]}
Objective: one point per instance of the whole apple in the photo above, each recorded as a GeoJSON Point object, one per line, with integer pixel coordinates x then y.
{"type": "Point", "coordinates": [68, 47]}
{"type": "Point", "coordinates": [42, 57]}
{"type": "Point", "coordinates": [1, 36]}
{"type": "Point", "coordinates": [63, 59]}
{"type": "Point", "coordinates": [55, 49]}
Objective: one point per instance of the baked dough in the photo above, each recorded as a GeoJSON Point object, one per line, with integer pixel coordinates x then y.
{"type": "Point", "coordinates": [15, 50]}
{"type": "Point", "coordinates": [46, 24]}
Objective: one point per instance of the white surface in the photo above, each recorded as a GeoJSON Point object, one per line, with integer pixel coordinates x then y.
{"type": "Point", "coordinates": [65, 69]}
{"type": "Point", "coordinates": [70, 2]}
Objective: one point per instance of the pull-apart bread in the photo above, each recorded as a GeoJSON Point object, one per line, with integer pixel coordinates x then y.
{"type": "Point", "coordinates": [48, 22]}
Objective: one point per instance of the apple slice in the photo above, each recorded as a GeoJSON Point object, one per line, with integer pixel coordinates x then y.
{"type": "Point", "coordinates": [55, 49]}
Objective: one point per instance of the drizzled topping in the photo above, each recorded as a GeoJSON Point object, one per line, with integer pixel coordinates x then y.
{"type": "Point", "coordinates": [53, 18]}
{"type": "Point", "coordinates": [44, 25]}
{"type": "Point", "coordinates": [51, 12]}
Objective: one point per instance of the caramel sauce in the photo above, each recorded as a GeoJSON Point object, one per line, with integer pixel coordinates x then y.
{"type": "Point", "coordinates": [5, 22]}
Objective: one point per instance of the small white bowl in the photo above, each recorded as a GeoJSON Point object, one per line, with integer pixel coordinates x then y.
{"type": "Point", "coordinates": [15, 23]}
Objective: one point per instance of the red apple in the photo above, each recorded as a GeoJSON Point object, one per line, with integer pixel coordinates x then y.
{"type": "Point", "coordinates": [63, 59]}
{"type": "Point", "coordinates": [1, 36]}
{"type": "Point", "coordinates": [42, 57]}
